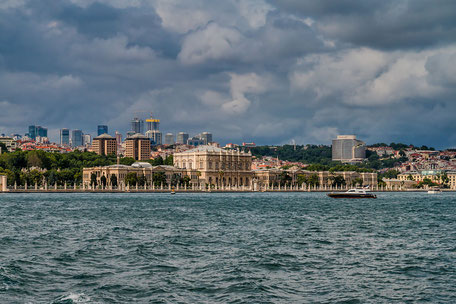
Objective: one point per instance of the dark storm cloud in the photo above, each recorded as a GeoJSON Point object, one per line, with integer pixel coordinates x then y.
{"type": "Point", "coordinates": [247, 70]}
{"type": "Point", "coordinates": [389, 24]}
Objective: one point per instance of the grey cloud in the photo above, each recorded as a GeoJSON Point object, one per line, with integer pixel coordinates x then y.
{"type": "Point", "coordinates": [245, 70]}
{"type": "Point", "coordinates": [388, 24]}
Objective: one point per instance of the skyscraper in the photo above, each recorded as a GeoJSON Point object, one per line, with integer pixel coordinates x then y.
{"type": "Point", "coordinates": [346, 148]}
{"type": "Point", "coordinates": [206, 137]}
{"type": "Point", "coordinates": [152, 123]}
{"type": "Point", "coordinates": [169, 139]}
{"type": "Point", "coordinates": [76, 138]}
{"type": "Point", "coordinates": [137, 125]}
{"type": "Point", "coordinates": [65, 137]}
{"type": "Point", "coordinates": [102, 129]}
{"type": "Point", "coordinates": [182, 138]}
{"type": "Point", "coordinates": [155, 137]}
{"type": "Point", "coordinates": [35, 131]}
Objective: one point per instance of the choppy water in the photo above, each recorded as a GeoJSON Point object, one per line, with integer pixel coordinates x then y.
{"type": "Point", "coordinates": [227, 248]}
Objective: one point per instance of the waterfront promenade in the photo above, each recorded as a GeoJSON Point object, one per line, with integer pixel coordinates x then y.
{"type": "Point", "coordinates": [192, 189]}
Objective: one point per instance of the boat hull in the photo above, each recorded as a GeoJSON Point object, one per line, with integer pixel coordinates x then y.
{"type": "Point", "coordinates": [352, 195]}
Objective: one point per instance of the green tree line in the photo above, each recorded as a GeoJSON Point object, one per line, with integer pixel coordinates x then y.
{"type": "Point", "coordinates": [320, 157]}
{"type": "Point", "coordinates": [57, 168]}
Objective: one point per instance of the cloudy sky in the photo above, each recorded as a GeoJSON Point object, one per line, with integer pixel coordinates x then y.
{"type": "Point", "coordinates": [246, 70]}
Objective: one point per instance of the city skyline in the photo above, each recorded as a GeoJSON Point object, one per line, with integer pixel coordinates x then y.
{"type": "Point", "coordinates": [265, 71]}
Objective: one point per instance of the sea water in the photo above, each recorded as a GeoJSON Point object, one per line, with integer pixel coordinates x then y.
{"type": "Point", "coordinates": [227, 248]}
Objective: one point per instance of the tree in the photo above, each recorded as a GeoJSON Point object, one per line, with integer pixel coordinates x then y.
{"type": "Point", "coordinates": [313, 180]}
{"type": "Point", "coordinates": [3, 148]}
{"type": "Point", "coordinates": [158, 161]}
{"type": "Point", "coordinates": [302, 179]}
{"type": "Point", "coordinates": [357, 182]}
{"type": "Point", "coordinates": [103, 181]}
{"type": "Point", "coordinates": [93, 180]}
{"type": "Point", "coordinates": [34, 177]}
{"type": "Point", "coordinates": [131, 179]}
{"type": "Point", "coordinates": [159, 178]}
{"type": "Point", "coordinates": [445, 180]}
{"type": "Point", "coordinates": [142, 181]}
{"type": "Point", "coordinates": [337, 181]}
{"type": "Point", "coordinates": [284, 179]}
{"type": "Point", "coordinates": [186, 181]}
{"type": "Point", "coordinates": [113, 180]}
{"type": "Point", "coordinates": [127, 161]}
{"type": "Point", "coordinates": [175, 179]}
{"type": "Point", "coordinates": [390, 174]}
{"type": "Point", "coordinates": [33, 160]}
{"type": "Point", "coordinates": [169, 160]}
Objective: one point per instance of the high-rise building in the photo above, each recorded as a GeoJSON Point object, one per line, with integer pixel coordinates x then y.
{"type": "Point", "coordinates": [104, 144]}
{"type": "Point", "coordinates": [35, 131]}
{"type": "Point", "coordinates": [102, 129]}
{"type": "Point", "coordinates": [130, 133]}
{"type": "Point", "coordinates": [195, 141]}
{"type": "Point", "coordinates": [65, 137]}
{"type": "Point", "coordinates": [169, 139]}
{"type": "Point", "coordinates": [206, 137]}
{"type": "Point", "coordinates": [152, 123]}
{"type": "Point", "coordinates": [346, 148]}
{"type": "Point", "coordinates": [87, 139]}
{"type": "Point", "coordinates": [182, 138]}
{"type": "Point", "coordinates": [76, 138]}
{"type": "Point", "coordinates": [155, 137]}
{"type": "Point", "coordinates": [137, 125]}
{"type": "Point", "coordinates": [137, 147]}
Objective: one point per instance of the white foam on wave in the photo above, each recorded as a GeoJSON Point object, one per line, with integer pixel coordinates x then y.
{"type": "Point", "coordinates": [76, 298]}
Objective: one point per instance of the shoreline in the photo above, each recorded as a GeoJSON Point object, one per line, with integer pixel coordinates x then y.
{"type": "Point", "coordinates": [200, 191]}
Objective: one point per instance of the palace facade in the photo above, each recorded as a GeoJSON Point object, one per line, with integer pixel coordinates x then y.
{"type": "Point", "coordinates": [216, 166]}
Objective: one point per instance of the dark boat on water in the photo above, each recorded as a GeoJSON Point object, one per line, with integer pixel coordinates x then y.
{"type": "Point", "coordinates": [352, 193]}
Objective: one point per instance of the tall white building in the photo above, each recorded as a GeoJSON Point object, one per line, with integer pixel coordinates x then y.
{"type": "Point", "coordinates": [346, 148]}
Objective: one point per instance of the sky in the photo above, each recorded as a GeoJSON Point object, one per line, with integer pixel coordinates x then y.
{"type": "Point", "coordinates": [272, 72]}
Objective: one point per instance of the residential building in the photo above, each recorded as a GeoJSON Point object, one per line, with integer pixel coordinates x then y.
{"type": "Point", "coordinates": [76, 138]}
{"type": "Point", "coordinates": [346, 148]}
{"type": "Point", "coordinates": [169, 139]}
{"type": "Point", "coordinates": [104, 144]}
{"type": "Point", "coordinates": [248, 144]}
{"type": "Point", "coordinates": [64, 137]}
{"type": "Point", "coordinates": [137, 147]}
{"type": "Point", "coordinates": [182, 138]}
{"type": "Point", "coordinates": [9, 142]}
{"type": "Point", "coordinates": [102, 129]}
